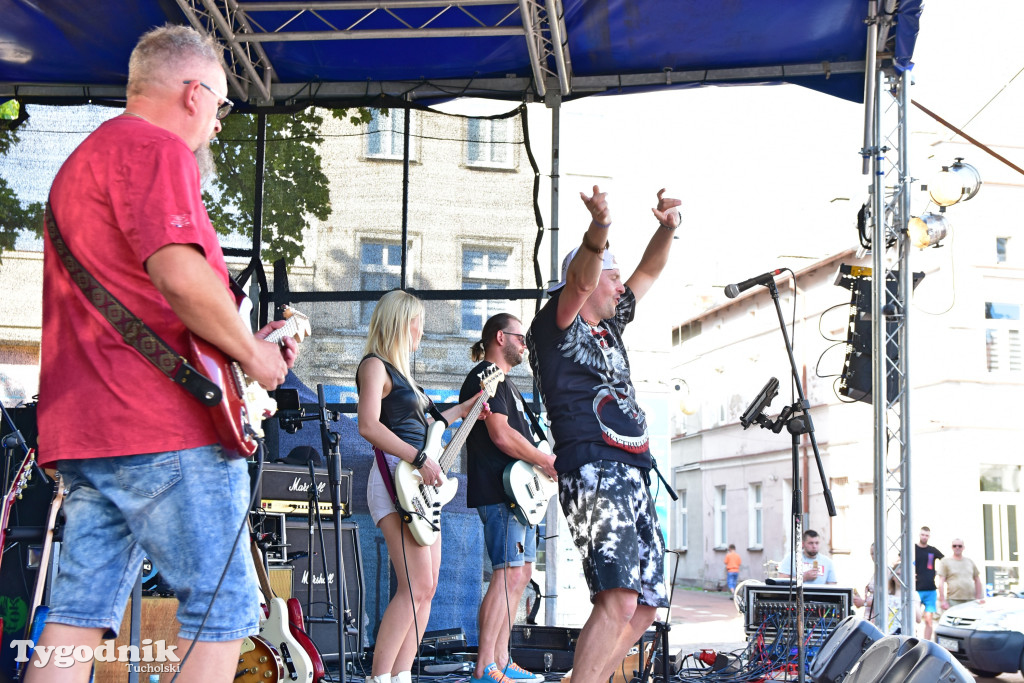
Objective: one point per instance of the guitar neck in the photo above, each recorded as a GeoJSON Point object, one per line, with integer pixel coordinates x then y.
{"type": "Point", "coordinates": [451, 451]}
{"type": "Point", "coordinates": [289, 329]}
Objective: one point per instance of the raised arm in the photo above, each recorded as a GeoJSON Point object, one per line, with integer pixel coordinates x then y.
{"type": "Point", "coordinates": [656, 255]}
{"type": "Point", "coordinates": [585, 269]}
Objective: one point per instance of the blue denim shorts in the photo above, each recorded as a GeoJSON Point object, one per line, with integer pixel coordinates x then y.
{"type": "Point", "coordinates": [509, 543]}
{"type": "Point", "coordinates": [183, 510]}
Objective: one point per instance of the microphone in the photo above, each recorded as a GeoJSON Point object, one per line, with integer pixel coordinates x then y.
{"type": "Point", "coordinates": [732, 291]}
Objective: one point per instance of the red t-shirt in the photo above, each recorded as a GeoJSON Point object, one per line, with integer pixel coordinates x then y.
{"type": "Point", "coordinates": [129, 189]}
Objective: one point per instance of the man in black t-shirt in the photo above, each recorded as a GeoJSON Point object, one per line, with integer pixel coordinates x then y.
{"type": "Point", "coordinates": [511, 546]}
{"type": "Point", "coordinates": [925, 557]}
{"type": "Point", "coordinates": [601, 439]}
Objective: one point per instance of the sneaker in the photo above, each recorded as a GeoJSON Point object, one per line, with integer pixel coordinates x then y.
{"type": "Point", "coordinates": [518, 673]}
{"type": "Point", "coordinates": [492, 674]}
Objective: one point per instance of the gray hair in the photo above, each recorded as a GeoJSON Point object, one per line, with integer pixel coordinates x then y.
{"type": "Point", "coordinates": [169, 47]}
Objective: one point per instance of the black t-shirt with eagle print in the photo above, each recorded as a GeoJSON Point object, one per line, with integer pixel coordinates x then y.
{"type": "Point", "coordinates": [583, 375]}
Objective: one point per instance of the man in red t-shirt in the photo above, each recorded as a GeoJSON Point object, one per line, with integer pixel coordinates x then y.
{"type": "Point", "coordinates": [138, 454]}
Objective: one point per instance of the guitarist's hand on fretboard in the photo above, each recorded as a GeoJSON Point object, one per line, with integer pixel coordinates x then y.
{"type": "Point", "coordinates": [270, 361]}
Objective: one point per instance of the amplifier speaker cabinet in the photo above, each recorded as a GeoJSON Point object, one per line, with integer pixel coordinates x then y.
{"type": "Point", "coordinates": [325, 635]}
{"type": "Point", "coordinates": [159, 622]}
{"type": "Point", "coordinates": [285, 489]}
{"type": "Point", "coordinates": [847, 643]}
{"type": "Point", "coordinates": [898, 659]}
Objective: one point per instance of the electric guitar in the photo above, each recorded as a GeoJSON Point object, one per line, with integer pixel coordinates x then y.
{"type": "Point", "coordinates": [422, 502]}
{"type": "Point", "coordinates": [529, 489]}
{"type": "Point", "coordinates": [39, 611]}
{"type": "Point", "coordinates": [276, 629]}
{"type": "Point", "coordinates": [259, 662]}
{"type": "Point", "coordinates": [18, 484]}
{"type": "Point", "coordinates": [239, 416]}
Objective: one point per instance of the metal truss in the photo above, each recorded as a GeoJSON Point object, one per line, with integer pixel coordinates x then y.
{"type": "Point", "coordinates": [249, 69]}
{"type": "Point", "coordinates": [891, 290]}
{"type": "Point", "coordinates": [548, 43]}
{"type": "Point", "coordinates": [243, 28]}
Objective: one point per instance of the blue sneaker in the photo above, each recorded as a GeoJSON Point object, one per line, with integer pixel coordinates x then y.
{"type": "Point", "coordinates": [492, 674]}
{"type": "Point", "coordinates": [517, 673]}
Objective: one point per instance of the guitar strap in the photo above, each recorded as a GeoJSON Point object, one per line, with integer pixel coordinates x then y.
{"type": "Point", "coordinates": [133, 331]}
{"type": "Point", "coordinates": [538, 430]}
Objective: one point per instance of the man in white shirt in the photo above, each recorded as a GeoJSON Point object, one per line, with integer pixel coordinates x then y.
{"type": "Point", "coordinates": [816, 568]}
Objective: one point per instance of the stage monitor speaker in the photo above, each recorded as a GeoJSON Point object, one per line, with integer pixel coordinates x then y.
{"type": "Point", "coordinates": [898, 659]}
{"type": "Point", "coordinates": [844, 646]}
{"type": "Point", "coordinates": [325, 635]}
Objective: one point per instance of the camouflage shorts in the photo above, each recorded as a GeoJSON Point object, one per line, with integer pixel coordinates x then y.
{"type": "Point", "coordinates": [615, 527]}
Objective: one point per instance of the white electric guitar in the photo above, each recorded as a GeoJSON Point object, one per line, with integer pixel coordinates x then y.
{"type": "Point", "coordinates": [529, 488]}
{"type": "Point", "coordinates": [423, 502]}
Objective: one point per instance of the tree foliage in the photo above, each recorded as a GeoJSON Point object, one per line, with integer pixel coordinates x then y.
{"type": "Point", "coordinates": [295, 186]}
{"type": "Point", "coordinates": [15, 215]}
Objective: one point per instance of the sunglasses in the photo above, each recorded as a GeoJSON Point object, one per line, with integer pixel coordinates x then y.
{"type": "Point", "coordinates": [522, 337]}
{"type": "Point", "coordinates": [223, 107]}
{"type": "Point", "coordinates": [958, 545]}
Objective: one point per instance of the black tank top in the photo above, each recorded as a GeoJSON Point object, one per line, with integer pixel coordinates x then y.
{"type": "Point", "coordinates": [403, 410]}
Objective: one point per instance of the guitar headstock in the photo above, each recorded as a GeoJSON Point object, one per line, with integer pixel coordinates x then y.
{"type": "Point", "coordinates": [21, 479]}
{"type": "Point", "coordinates": [299, 323]}
{"type": "Point", "coordinates": [489, 380]}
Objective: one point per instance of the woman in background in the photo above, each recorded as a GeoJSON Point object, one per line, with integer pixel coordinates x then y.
{"type": "Point", "coordinates": [393, 418]}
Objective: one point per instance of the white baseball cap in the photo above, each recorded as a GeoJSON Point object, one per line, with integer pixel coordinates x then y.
{"type": "Point", "coordinates": [608, 263]}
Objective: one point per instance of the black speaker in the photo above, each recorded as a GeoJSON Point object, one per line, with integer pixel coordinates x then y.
{"type": "Point", "coordinates": [325, 634]}
{"type": "Point", "coordinates": [897, 659]}
{"type": "Point", "coordinates": [841, 650]}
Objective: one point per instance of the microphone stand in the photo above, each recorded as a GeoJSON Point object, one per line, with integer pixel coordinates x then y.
{"type": "Point", "coordinates": [331, 450]}
{"type": "Point", "coordinates": [797, 420]}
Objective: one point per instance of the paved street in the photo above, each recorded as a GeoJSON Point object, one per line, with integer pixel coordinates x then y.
{"type": "Point", "coordinates": [703, 619]}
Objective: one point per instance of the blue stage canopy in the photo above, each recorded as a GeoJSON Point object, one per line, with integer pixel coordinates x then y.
{"type": "Point", "coordinates": [298, 52]}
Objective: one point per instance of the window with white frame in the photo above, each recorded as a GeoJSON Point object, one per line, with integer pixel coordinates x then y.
{"type": "Point", "coordinates": [1002, 338]}
{"type": "Point", "coordinates": [755, 539]}
{"type": "Point", "coordinates": [1001, 244]}
{"type": "Point", "coordinates": [483, 269]}
{"type": "Point", "coordinates": [386, 131]}
{"type": "Point", "coordinates": [489, 143]}
{"type": "Point", "coordinates": [380, 270]}
{"type": "Point", "coordinates": [721, 519]}
{"type": "Point", "coordinates": [682, 521]}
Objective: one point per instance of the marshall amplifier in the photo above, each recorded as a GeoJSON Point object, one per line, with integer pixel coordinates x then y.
{"type": "Point", "coordinates": [285, 489]}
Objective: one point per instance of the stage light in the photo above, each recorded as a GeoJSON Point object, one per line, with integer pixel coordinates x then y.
{"type": "Point", "coordinates": [927, 230]}
{"type": "Point", "coordinates": [957, 182]}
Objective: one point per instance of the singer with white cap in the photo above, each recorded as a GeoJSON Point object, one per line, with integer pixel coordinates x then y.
{"type": "Point", "coordinates": [601, 442]}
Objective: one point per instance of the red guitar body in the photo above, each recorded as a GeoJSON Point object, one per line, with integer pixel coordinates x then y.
{"type": "Point", "coordinates": [238, 418]}
{"type": "Point", "coordinates": [295, 622]}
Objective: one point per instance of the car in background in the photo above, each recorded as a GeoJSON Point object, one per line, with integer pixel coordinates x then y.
{"type": "Point", "coordinates": [986, 636]}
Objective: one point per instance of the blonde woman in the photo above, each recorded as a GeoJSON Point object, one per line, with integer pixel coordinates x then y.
{"type": "Point", "coordinates": [393, 418]}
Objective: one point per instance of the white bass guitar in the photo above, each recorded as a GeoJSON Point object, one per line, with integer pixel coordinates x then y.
{"type": "Point", "coordinates": [423, 502]}
{"type": "Point", "coordinates": [529, 489]}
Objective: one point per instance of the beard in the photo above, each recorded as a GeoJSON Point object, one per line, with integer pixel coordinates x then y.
{"type": "Point", "coordinates": [512, 355]}
{"type": "Point", "coordinates": [207, 167]}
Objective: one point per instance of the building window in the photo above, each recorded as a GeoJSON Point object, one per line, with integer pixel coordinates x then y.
{"type": "Point", "coordinates": [380, 270]}
{"type": "Point", "coordinates": [1001, 311]}
{"type": "Point", "coordinates": [1000, 478]}
{"type": "Point", "coordinates": [489, 143]}
{"type": "Point", "coordinates": [483, 269]}
{"type": "Point", "coordinates": [1002, 350]}
{"type": "Point", "coordinates": [682, 521]}
{"type": "Point", "coordinates": [1001, 249]}
{"type": "Point", "coordinates": [721, 519]}
{"type": "Point", "coordinates": [756, 537]}
{"type": "Point", "coordinates": [386, 130]}
{"type": "Point", "coordinates": [685, 332]}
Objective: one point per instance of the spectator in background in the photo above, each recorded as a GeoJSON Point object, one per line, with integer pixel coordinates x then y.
{"type": "Point", "coordinates": [925, 557]}
{"type": "Point", "coordinates": [815, 567]}
{"type": "Point", "coordinates": [732, 568]}
{"type": "Point", "coordinates": [958, 578]}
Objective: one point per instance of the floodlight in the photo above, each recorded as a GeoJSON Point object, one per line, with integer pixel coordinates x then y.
{"type": "Point", "coordinates": [954, 183]}
{"type": "Point", "coordinates": [927, 230]}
